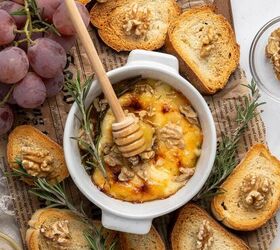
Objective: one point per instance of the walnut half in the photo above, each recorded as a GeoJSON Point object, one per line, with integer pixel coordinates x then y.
{"type": "Point", "coordinates": [254, 191]}
{"type": "Point", "coordinates": [137, 21]}
{"type": "Point", "coordinates": [273, 51]}
{"type": "Point", "coordinates": [185, 174]}
{"type": "Point", "coordinates": [37, 162]}
{"type": "Point", "coordinates": [172, 135]}
{"type": "Point", "coordinates": [204, 236]}
{"type": "Point", "coordinates": [208, 42]}
{"type": "Point", "coordinates": [58, 232]}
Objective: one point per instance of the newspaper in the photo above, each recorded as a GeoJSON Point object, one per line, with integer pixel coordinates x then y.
{"type": "Point", "coordinates": [50, 119]}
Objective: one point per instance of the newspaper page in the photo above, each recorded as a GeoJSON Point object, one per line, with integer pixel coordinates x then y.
{"type": "Point", "coordinates": [50, 119]}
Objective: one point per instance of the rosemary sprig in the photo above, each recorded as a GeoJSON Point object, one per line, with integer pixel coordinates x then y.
{"type": "Point", "coordinates": [54, 195]}
{"type": "Point", "coordinates": [225, 160]}
{"type": "Point", "coordinates": [79, 92]}
{"type": "Point", "coordinates": [100, 243]}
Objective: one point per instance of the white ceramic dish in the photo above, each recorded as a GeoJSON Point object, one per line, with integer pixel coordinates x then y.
{"type": "Point", "coordinates": [130, 217]}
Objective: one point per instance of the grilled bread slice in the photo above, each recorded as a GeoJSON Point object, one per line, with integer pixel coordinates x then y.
{"type": "Point", "coordinates": [205, 45]}
{"type": "Point", "coordinates": [39, 155]}
{"type": "Point", "coordinates": [52, 228]}
{"type": "Point", "coordinates": [252, 191]}
{"type": "Point", "coordinates": [125, 25]}
{"type": "Point", "coordinates": [195, 229]}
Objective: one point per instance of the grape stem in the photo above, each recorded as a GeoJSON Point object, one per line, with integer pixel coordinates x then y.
{"type": "Point", "coordinates": [28, 29]}
{"type": "Point", "coordinates": [6, 98]}
{"type": "Point", "coordinates": [28, 23]}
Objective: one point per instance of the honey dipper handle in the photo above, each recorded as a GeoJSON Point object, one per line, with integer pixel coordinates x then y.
{"type": "Point", "coordinates": [94, 60]}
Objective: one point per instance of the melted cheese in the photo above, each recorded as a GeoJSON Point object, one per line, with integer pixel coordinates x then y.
{"type": "Point", "coordinates": [164, 167]}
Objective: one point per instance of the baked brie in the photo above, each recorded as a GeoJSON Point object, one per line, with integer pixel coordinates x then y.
{"type": "Point", "coordinates": [173, 143]}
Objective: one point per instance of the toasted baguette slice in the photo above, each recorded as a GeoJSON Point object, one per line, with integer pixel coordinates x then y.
{"type": "Point", "coordinates": [152, 240]}
{"type": "Point", "coordinates": [109, 18]}
{"type": "Point", "coordinates": [231, 207]}
{"type": "Point", "coordinates": [188, 225]}
{"type": "Point", "coordinates": [26, 136]}
{"type": "Point", "coordinates": [36, 240]}
{"type": "Point", "coordinates": [111, 237]}
{"type": "Point", "coordinates": [205, 45]}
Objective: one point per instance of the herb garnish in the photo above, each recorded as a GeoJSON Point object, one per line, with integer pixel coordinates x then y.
{"type": "Point", "coordinates": [225, 160]}
{"type": "Point", "coordinates": [79, 92]}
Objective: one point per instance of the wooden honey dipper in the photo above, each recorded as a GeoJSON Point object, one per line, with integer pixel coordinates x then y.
{"type": "Point", "coordinates": [126, 130]}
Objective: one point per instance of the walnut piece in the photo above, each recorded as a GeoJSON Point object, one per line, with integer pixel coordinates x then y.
{"type": "Point", "coordinates": [100, 104]}
{"type": "Point", "coordinates": [172, 135]}
{"type": "Point", "coordinates": [134, 160]}
{"type": "Point", "coordinates": [185, 174]}
{"type": "Point", "coordinates": [254, 191]}
{"type": "Point", "coordinates": [204, 236]}
{"type": "Point", "coordinates": [141, 171]}
{"type": "Point", "coordinates": [112, 155]}
{"type": "Point", "coordinates": [58, 232]}
{"type": "Point", "coordinates": [84, 139]}
{"type": "Point", "coordinates": [150, 112]}
{"type": "Point", "coordinates": [208, 40]}
{"type": "Point", "coordinates": [273, 51]}
{"type": "Point", "coordinates": [126, 174]}
{"type": "Point", "coordinates": [189, 114]}
{"type": "Point", "coordinates": [137, 21]}
{"type": "Point", "coordinates": [147, 155]}
{"type": "Point", "coordinates": [37, 162]}
{"type": "Point", "coordinates": [144, 88]}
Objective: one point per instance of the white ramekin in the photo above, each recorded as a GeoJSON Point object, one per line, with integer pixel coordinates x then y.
{"type": "Point", "coordinates": [126, 216]}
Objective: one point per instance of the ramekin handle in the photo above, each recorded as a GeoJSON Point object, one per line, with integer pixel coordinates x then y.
{"type": "Point", "coordinates": [127, 225]}
{"type": "Point", "coordinates": [151, 57]}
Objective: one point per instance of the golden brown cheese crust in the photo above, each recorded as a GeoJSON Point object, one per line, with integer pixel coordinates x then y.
{"type": "Point", "coordinates": [164, 167]}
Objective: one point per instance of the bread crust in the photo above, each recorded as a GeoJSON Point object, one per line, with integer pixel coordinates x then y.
{"type": "Point", "coordinates": [126, 238]}
{"type": "Point", "coordinates": [110, 27]}
{"type": "Point", "coordinates": [246, 224]}
{"type": "Point", "coordinates": [35, 137]}
{"type": "Point", "coordinates": [195, 212]}
{"type": "Point", "coordinates": [187, 67]}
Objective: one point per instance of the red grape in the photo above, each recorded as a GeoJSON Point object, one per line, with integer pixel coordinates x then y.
{"type": "Point", "coordinates": [47, 8]}
{"type": "Point", "coordinates": [62, 21]}
{"type": "Point", "coordinates": [67, 42]}
{"type": "Point", "coordinates": [30, 92]}
{"type": "Point", "coordinates": [10, 7]}
{"type": "Point", "coordinates": [13, 65]}
{"type": "Point", "coordinates": [54, 85]}
{"type": "Point", "coordinates": [6, 119]}
{"type": "Point", "coordinates": [47, 57]}
{"type": "Point", "coordinates": [7, 26]}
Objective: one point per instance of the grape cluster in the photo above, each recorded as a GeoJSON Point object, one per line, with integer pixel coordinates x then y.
{"type": "Point", "coordinates": [35, 36]}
